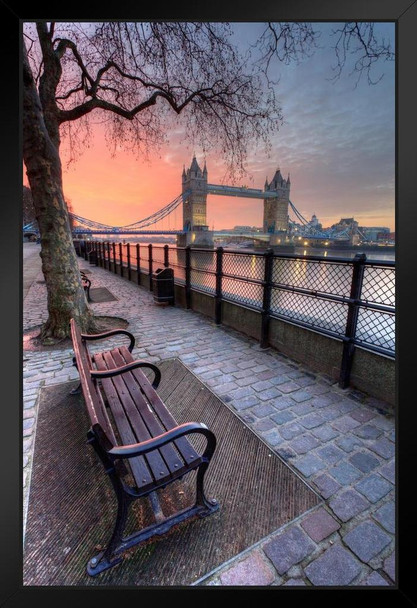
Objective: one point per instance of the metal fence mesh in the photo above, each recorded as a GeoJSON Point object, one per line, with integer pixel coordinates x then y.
{"type": "Point", "coordinates": [324, 277]}
{"type": "Point", "coordinates": [311, 292]}
{"type": "Point", "coordinates": [379, 285]}
{"type": "Point", "coordinates": [244, 265]}
{"type": "Point", "coordinates": [376, 328]}
{"type": "Point", "coordinates": [316, 312]}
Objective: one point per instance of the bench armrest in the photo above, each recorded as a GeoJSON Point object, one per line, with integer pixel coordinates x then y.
{"type": "Point", "coordinates": [109, 373]}
{"type": "Point", "coordinates": [138, 449]}
{"type": "Point", "coordinates": [111, 332]}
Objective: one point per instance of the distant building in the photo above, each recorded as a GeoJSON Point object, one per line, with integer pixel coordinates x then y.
{"type": "Point", "coordinates": [375, 233]}
{"type": "Point", "coordinates": [242, 229]}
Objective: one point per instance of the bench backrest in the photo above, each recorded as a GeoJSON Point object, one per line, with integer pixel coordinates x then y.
{"type": "Point", "coordinates": [93, 400]}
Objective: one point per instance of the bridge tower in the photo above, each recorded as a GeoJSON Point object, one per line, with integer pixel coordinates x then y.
{"type": "Point", "coordinates": [194, 181]}
{"type": "Point", "coordinates": [276, 209]}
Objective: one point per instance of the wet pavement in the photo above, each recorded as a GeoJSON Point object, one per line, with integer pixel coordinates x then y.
{"type": "Point", "coordinates": [341, 442]}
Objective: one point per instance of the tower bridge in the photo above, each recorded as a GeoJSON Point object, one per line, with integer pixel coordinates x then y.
{"type": "Point", "coordinates": [278, 228]}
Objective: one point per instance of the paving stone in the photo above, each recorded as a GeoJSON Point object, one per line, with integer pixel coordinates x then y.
{"type": "Point", "coordinates": [311, 421]}
{"type": "Point", "coordinates": [326, 485]}
{"type": "Point", "coordinates": [301, 409]}
{"type": "Point", "coordinates": [288, 387]}
{"type": "Point", "coordinates": [263, 410]}
{"type": "Point", "coordinates": [278, 380]}
{"type": "Point", "coordinates": [367, 540]}
{"type": "Point", "coordinates": [244, 402]}
{"type": "Point", "coordinates": [264, 425]}
{"type": "Point", "coordinates": [28, 423]}
{"type": "Point", "coordinates": [363, 415]}
{"type": "Point", "coordinates": [268, 375]}
{"type": "Point", "coordinates": [348, 443]}
{"type": "Point", "coordinates": [319, 525]}
{"type": "Point", "coordinates": [318, 389]}
{"type": "Point", "coordinates": [383, 447]}
{"type": "Point", "coordinates": [295, 582]}
{"type": "Point", "coordinates": [251, 571]}
{"type": "Point", "coordinates": [364, 462]}
{"type": "Point", "coordinates": [270, 393]}
{"type": "Point", "coordinates": [305, 381]}
{"type": "Point", "coordinates": [300, 396]}
{"type": "Point", "coordinates": [210, 374]}
{"type": "Point", "coordinates": [282, 417]}
{"type": "Point", "coordinates": [388, 471]}
{"type": "Point", "coordinates": [239, 393]}
{"type": "Point", "coordinates": [282, 403]}
{"type": "Point", "coordinates": [373, 487]}
{"type": "Point", "coordinates": [385, 423]}
{"type": "Point", "coordinates": [285, 453]}
{"type": "Point", "coordinates": [368, 431]}
{"type": "Point", "coordinates": [348, 504]}
{"type": "Point", "coordinates": [330, 413]}
{"type": "Point", "coordinates": [345, 473]}
{"type": "Point", "coordinates": [345, 424]}
{"type": "Point", "coordinates": [295, 374]}
{"type": "Point", "coordinates": [389, 566]}
{"type": "Point", "coordinates": [290, 430]}
{"type": "Point", "coordinates": [346, 406]}
{"type": "Point", "coordinates": [336, 566]}
{"type": "Point", "coordinates": [248, 418]}
{"type": "Point", "coordinates": [309, 464]}
{"type": "Point", "coordinates": [272, 437]}
{"type": "Point", "coordinates": [374, 580]}
{"type": "Point", "coordinates": [385, 515]}
{"type": "Point", "coordinates": [321, 401]}
{"type": "Point", "coordinates": [324, 432]}
{"type": "Point", "coordinates": [304, 444]}
{"type": "Point", "coordinates": [262, 385]}
{"type": "Point", "coordinates": [330, 453]}
{"type": "Point", "coordinates": [289, 548]}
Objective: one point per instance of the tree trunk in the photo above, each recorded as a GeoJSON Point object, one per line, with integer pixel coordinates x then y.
{"type": "Point", "coordinates": [66, 298]}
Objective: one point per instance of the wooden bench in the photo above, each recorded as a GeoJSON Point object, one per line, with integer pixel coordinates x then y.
{"type": "Point", "coordinates": [139, 443]}
{"type": "Point", "coordinates": [86, 283]}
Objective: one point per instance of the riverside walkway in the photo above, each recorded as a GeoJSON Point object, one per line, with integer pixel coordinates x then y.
{"type": "Point", "coordinates": [341, 442]}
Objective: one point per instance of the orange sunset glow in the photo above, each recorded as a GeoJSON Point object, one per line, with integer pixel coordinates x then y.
{"type": "Point", "coordinates": [337, 142]}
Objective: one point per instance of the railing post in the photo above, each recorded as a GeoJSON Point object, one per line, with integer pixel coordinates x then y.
{"type": "Point", "coordinates": [218, 296]}
{"type": "Point", "coordinates": [108, 255]}
{"type": "Point", "coordinates": [121, 258]}
{"type": "Point", "coordinates": [266, 303]}
{"type": "Point", "coordinates": [150, 267]}
{"type": "Point", "coordinates": [114, 258]}
{"type": "Point", "coordinates": [128, 262]}
{"type": "Point", "coordinates": [188, 276]}
{"type": "Point", "coordinates": [166, 256]}
{"type": "Point", "coordinates": [352, 319]}
{"type": "Point", "coordinates": [138, 261]}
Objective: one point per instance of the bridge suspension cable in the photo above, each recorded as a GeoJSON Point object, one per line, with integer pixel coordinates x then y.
{"type": "Point", "coordinates": [147, 221]}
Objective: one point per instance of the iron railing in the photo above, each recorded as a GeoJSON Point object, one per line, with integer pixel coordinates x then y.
{"type": "Point", "coordinates": [352, 300]}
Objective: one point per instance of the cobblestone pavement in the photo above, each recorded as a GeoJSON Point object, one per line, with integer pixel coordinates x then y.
{"type": "Point", "coordinates": [341, 442]}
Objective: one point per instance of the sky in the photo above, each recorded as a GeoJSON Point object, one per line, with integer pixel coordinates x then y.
{"type": "Point", "coordinates": [337, 143]}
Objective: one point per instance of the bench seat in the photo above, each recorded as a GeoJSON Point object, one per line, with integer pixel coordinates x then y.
{"type": "Point", "coordinates": [139, 442]}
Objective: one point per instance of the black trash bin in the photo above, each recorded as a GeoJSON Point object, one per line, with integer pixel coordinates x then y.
{"type": "Point", "coordinates": [163, 286]}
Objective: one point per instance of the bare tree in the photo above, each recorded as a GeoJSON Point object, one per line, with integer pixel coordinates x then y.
{"type": "Point", "coordinates": [138, 78]}
{"type": "Point", "coordinates": [353, 40]}
{"type": "Point", "coordinates": [135, 76]}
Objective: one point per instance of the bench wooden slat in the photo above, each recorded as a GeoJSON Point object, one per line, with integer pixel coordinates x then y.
{"type": "Point", "coordinates": [94, 402]}
{"type": "Point", "coordinates": [142, 466]}
{"type": "Point", "coordinates": [135, 407]}
{"type": "Point", "coordinates": [154, 428]}
{"type": "Point", "coordinates": [183, 445]}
